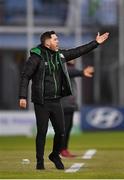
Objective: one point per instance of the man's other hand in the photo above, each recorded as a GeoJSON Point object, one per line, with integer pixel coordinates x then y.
{"type": "Point", "coordinates": [88, 71]}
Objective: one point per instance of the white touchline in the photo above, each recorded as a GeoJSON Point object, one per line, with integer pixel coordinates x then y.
{"type": "Point", "coordinates": [74, 168]}
{"type": "Point", "coordinates": [89, 154]}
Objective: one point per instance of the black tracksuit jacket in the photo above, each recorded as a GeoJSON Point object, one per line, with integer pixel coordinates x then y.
{"type": "Point", "coordinates": [35, 70]}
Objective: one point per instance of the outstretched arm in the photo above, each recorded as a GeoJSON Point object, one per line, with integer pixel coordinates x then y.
{"type": "Point", "coordinates": [87, 71]}
{"type": "Point", "coordinates": [73, 72]}
{"type": "Point", "coordinates": [84, 49]}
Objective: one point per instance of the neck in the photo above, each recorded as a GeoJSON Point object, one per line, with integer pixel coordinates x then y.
{"type": "Point", "coordinates": [55, 50]}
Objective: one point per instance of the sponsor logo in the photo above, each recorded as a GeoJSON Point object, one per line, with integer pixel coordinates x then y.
{"type": "Point", "coordinates": [104, 118]}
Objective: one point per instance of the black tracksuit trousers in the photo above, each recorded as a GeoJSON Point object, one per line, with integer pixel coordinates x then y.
{"type": "Point", "coordinates": [68, 115]}
{"type": "Point", "coordinates": [52, 110]}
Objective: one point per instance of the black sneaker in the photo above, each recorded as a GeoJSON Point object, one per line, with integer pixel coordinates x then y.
{"type": "Point", "coordinates": [57, 161]}
{"type": "Point", "coordinates": [40, 166]}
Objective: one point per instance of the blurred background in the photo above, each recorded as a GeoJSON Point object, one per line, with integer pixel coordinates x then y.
{"type": "Point", "coordinates": [76, 22]}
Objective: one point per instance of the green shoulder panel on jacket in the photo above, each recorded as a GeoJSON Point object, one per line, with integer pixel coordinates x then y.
{"type": "Point", "coordinates": [36, 51]}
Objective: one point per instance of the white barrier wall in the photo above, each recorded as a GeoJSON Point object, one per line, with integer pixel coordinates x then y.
{"type": "Point", "coordinates": [23, 123]}
{"type": "Point", "coordinates": [17, 123]}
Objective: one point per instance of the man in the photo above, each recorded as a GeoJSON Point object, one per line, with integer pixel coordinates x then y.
{"type": "Point", "coordinates": [69, 103]}
{"type": "Point", "coordinates": [47, 69]}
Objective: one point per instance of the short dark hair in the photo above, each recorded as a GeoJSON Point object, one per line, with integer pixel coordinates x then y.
{"type": "Point", "coordinates": [46, 35]}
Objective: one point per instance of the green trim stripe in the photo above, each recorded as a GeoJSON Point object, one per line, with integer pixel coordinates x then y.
{"type": "Point", "coordinates": [36, 51]}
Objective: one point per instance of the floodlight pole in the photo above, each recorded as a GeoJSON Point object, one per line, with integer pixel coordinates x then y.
{"type": "Point", "coordinates": [78, 38]}
{"type": "Point", "coordinates": [30, 27]}
{"type": "Point", "coordinates": [121, 53]}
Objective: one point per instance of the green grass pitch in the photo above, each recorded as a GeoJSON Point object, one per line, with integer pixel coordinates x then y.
{"type": "Point", "coordinates": [107, 163]}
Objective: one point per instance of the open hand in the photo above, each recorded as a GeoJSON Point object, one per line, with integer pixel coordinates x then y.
{"type": "Point", "coordinates": [101, 38]}
{"type": "Point", "coordinates": [88, 71]}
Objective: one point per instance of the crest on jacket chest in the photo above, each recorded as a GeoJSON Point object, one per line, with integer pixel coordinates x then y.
{"type": "Point", "coordinates": [61, 55]}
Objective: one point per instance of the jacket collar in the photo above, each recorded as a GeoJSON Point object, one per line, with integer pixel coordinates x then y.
{"type": "Point", "coordinates": [48, 49]}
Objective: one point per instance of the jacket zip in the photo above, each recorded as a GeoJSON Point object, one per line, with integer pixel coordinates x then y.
{"type": "Point", "coordinates": [54, 78]}
{"type": "Point", "coordinates": [43, 85]}
{"type": "Point", "coordinates": [55, 83]}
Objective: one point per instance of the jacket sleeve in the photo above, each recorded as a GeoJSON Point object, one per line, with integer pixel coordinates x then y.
{"type": "Point", "coordinates": [73, 73]}
{"type": "Point", "coordinates": [28, 70]}
{"type": "Point", "coordinates": [74, 53]}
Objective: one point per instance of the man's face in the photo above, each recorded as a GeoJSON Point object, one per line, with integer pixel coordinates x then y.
{"type": "Point", "coordinates": [54, 42]}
